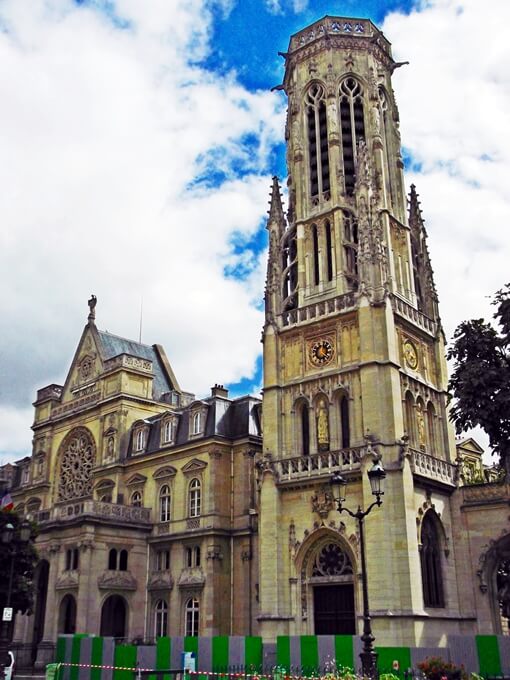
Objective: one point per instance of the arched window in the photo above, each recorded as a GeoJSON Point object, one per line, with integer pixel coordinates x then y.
{"type": "Point", "coordinates": [350, 249]}
{"type": "Point", "coordinates": [75, 558]}
{"type": "Point", "coordinates": [304, 424]}
{"type": "Point", "coordinates": [194, 498]}
{"type": "Point", "coordinates": [315, 246]}
{"type": "Point", "coordinates": [164, 503]}
{"type": "Point", "coordinates": [140, 439]}
{"type": "Point", "coordinates": [353, 126]}
{"type": "Point", "coordinates": [344, 422]}
{"type": "Point", "coordinates": [196, 555]}
{"type": "Point", "coordinates": [136, 499]}
{"type": "Point", "coordinates": [161, 619]}
{"type": "Point", "coordinates": [430, 558]}
{"type": "Point", "coordinates": [192, 613]}
{"type": "Point", "coordinates": [409, 418]}
{"type": "Point", "coordinates": [197, 423]}
{"type": "Point", "coordinates": [329, 251]}
{"type": "Point", "coordinates": [169, 429]}
{"type": "Point", "coordinates": [112, 559]}
{"type": "Point", "coordinates": [318, 159]}
{"type": "Point", "coordinates": [123, 560]}
{"type": "Point", "coordinates": [431, 426]}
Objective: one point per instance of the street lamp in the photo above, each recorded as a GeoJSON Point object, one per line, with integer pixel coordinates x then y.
{"type": "Point", "coordinates": [376, 476]}
{"type": "Point", "coordinates": [6, 537]}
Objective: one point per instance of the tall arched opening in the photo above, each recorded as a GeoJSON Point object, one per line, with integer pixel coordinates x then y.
{"type": "Point", "coordinates": [114, 617]}
{"type": "Point", "coordinates": [67, 615]}
{"type": "Point", "coordinates": [327, 587]}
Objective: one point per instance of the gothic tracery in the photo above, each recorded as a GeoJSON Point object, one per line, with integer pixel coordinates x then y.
{"type": "Point", "coordinates": [77, 456]}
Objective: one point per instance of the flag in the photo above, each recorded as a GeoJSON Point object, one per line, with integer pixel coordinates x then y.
{"type": "Point", "coordinates": [6, 503]}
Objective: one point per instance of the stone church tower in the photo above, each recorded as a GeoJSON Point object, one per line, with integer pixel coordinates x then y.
{"type": "Point", "coordinates": [354, 362]}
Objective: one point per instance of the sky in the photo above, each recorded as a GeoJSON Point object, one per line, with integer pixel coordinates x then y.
{"type": "Point", "coordinates": [137, 145]}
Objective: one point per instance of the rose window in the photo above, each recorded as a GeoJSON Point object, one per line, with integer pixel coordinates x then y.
{"type": "Point", "coordinates": [77, 460]}
{"type": "Point", "coordinates": [332, 561]}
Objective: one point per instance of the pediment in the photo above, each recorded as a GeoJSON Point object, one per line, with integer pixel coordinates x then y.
{"type": "Point", "coordinates": [86, 368]}
{"type": "Point", "coordinates": [167, 471]}
{"type": "Point", "coordinates": [198, 405]}
{"type": "Point", "coordinates": [136, 479]}
{"type": "Point", "coordinates": [194, 465]}
{"type": "Point", "coordinates": [469, 445]}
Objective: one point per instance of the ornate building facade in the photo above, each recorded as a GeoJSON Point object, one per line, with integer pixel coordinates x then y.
{"type": "Point", "coordinates": [354, 369]}
{"type": "Point", "coordinates": [164, 514]}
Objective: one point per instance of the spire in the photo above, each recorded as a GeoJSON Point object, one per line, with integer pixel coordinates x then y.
{"type": "Point", "coordinates": [275, 204]}
{"type": "Point", "coordinates": [424, 285]}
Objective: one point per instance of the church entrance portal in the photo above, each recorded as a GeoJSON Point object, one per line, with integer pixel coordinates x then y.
{"type": "Point", "coordinates": [113, 617]}
{"type": "Point", "coordinates": [333, 608]}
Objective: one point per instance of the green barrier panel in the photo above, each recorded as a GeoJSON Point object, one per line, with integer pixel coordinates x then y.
{"type": "Point", "coordinates": [253, 653]}
{"type": "Point", "coordinates": [96, 658]}
{"type": "Point", "coordinates": [60, 651]}
{"type": "Point", "coordinates": [309, 654]}
{"type": "Point", "coordinates": [75, 655]}
{"type": "Point", "coordinates": [220, 657]}
{"type": "Point", "coordinates": [387, 655]}
{"type": "Point", "coordinates": [488, 654]}
{"type": "Point", "coordinates": [163, 656]}
{"type": "Point", "coordinates": [191, 645]}
{"type": "Point", "coordinates": [283, 651]}
{"type": "Point", "coordinates": [344, 651]}
{"type": "Point", "coordinates": [124, 656]}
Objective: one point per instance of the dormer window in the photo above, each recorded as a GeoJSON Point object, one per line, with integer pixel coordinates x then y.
{"type": "Point", "coordinates": [169, 431]}
{"type": "Point", "coordinates": [140, 439]}
{"type": "Point", "coordinates": [25, 475]}
{"type": "Point", "coordinates": [197, 420]}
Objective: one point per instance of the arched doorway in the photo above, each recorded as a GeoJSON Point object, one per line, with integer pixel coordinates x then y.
{"type": "Point", "coordinates": [327, 587]}
{"type": "Point", "coordinates": [41, 580]}
{"type": "Point", "coordinates": [67, 615]}
{"type": "Point", "coordinates": [113, 617]}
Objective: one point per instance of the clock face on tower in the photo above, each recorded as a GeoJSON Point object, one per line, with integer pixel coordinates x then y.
{"type": "Point", "coordinates": [410, 354]}
{"type": "Point", "coordinates": [321, 352]}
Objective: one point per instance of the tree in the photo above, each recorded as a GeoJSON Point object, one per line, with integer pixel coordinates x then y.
{"type": "Point", "coordinates": [25, 558]}
{"type": "Point", "coordinates": [480, 382]}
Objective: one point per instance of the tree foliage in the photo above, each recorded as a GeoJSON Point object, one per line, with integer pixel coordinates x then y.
{"type": "Point", "coordinates": [24, 557]}
{"type": "Point", "coordinates": [480, 382]}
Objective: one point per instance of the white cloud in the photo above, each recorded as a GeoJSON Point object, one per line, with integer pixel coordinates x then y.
{"type": "Point", "coordinates": [103, 132]}
{"type": "Point", "coordinates": [454, 99]}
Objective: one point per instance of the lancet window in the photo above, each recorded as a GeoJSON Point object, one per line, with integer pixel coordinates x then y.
{"type": "Point", "coordinates": [344, 422]}
{"type": "Point", "coordinates": [430, 557]}
{"type": "Point", "coordinates": [315, 246]}
{"type": "Point", "coordinates": [353, 127]}
{"type": "Point", "coordinates": [318, 158]}
{"type": "Point", "coordinates": [329, 251]}
{"type": "Point", "coordinates": [304, 427]}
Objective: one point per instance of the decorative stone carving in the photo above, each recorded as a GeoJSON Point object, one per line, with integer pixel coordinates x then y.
{"type": "Point", "coordinates": [161, 580]}
{"type": "Point", "coordinates": [67, 581]}
{"type": "Point", "coordinates": [77, 457]}
{"type": "Point", "coordinates": [323, 502]}
{"type": "Point", "coordinates": [116, 580]}
{"type": "Point", "coordinates": [192, 577]}
{"type": "Point", "coordinates": [214, 552]}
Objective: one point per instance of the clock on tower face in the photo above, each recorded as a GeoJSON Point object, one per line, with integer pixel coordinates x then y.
{"type": "Point", "coordinates": [410, 355]}
{"type": "Point", "coordinates": [321, 352]}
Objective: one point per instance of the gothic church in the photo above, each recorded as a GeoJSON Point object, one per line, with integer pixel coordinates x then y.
{"type": "Point", "coordinates": [163, 514]}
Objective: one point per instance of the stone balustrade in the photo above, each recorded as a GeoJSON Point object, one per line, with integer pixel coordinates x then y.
{"type": "Point", "coordinates": [318, 465]}
{"type": "Point", "coordinates": [425, 465]}
{"type": "Point", "coordinates": [318, 309]}
{"type": "Point", "coordinates": [71, 510]}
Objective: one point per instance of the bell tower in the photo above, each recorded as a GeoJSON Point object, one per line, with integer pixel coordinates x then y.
{"type": "Point", "coordinates": [353, 349]}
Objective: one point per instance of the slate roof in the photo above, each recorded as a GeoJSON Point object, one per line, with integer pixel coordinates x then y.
{"type": "Point", "coordinates": [113, 345]}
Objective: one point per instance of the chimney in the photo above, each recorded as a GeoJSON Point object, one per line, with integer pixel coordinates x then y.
{"type": "Point", "coordinates": [219, 391]}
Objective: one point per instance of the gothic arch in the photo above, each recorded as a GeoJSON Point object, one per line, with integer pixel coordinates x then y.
{"type": "Point", "coordinates": [326, 565]}
{"type": "Point", "coordinates": [302, 424]}
{"type": "Point", "coordinates": [343, 417]}
{"type": "Point", "coordinates": [432, 542]}
{"type": "Point", "coordinates": [494, 575]}
{"type": "Point", "coordinates": [77, 456]}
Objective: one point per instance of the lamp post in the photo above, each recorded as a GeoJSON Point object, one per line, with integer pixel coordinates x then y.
{"type": "Point", "coordinates": [7, 536]}
{"type": "Point", "coordinates": [376, 476]}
